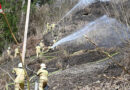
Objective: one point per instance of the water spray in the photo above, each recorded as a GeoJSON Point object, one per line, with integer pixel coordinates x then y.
{"type": "Point", "coordinates": [80, 5]}
{"type": "Point", "coordinates": [106, 26]}
{"type": "Point", "coordinates": [80, 32]}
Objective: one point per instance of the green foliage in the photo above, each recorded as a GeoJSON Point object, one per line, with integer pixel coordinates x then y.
{"type": "Point", "coordinates": [11, 9]}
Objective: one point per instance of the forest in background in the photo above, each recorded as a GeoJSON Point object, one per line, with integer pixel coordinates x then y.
{"type": "Point", "coordinates": [15, 11]}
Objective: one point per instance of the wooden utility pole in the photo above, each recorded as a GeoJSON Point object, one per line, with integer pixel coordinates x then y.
{"type": "Point", "coordinates": [26, 30]}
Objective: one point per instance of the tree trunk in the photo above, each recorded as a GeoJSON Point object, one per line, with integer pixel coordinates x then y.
{"type": "Point", "coordinates": [21, 24]}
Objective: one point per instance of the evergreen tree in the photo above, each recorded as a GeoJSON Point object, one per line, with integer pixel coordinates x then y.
{"type": "Point", "coordinates": [12, 10]}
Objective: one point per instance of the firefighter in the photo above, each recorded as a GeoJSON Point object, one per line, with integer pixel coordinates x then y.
{"type": "Point", "coordinates": [53, 26]}
{"type": "Point", "coordinates": [48, 27]}
{"type": "Point", "coordinates": [38, 50]}
{"type": "Point", "coordinates": [42, 45]}
{"type": "Point", "coordinates": [20, 77]}
{"type": "Point", "coordinates": [54, 41]}
{"type": "Point", "coordinates": [9, 52]}
{"type": "Point", "coordinates": [43, 77]}
{"type": "Point", "coordinates": [16, 52]}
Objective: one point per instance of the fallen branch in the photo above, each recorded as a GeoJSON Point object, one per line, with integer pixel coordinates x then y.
{"type": "Point", "coordinates": [7, 73]}
{"type": "Point", "coordinates": [11, 31]}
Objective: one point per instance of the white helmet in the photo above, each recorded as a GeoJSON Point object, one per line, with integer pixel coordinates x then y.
{"type": "Point", "coordinates": [8, 47]}
{"type": "Point", "coordinates": [20, 65]}
{"type": "Point", "coordinates": [43, 65]}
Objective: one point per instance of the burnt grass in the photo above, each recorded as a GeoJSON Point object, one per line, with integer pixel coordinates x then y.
{"type": "Point", "coordinates": [78, 69]}
{"type": "Point", "coordinates": [85, 61]}
{"type": "Point", "coordinates": [62, 61]}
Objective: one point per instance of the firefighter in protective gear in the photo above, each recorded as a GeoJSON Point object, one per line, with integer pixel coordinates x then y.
{"type": "Point", "coordinates": [54, 41]}
{"type": "Point", "coordinates": [16, 52]}
{"type": "Point", "coordinates": [19, 80]}
{"type": "Point", "coordinates": [9, 52]}
{"type": "Point", "coordinates": [48, 27]}
{"type": "Point", "coordinates": [53, 26]}
{"type": "Point", "coordinates": [38, 50]}
{"type": "Point", "coordinates": [43, 74]}
{"type": "Point", "coordinates": [42, 45]}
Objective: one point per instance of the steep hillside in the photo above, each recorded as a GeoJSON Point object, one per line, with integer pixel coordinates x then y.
{"type": "Point", "coordinates": [78, 64]}
{"type": "Point", "coordinates": [83, 17]}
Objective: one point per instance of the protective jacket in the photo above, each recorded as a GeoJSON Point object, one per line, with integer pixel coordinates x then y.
{"type": "Point", "coordinates": [8, 52]}
{"type": "Point", "coordinates": [52, 26]}
{"type": "Point", "coordinates": [16, 52]}
{"type": "Point", "coordinates": [20, 75]}
{"type": "Point", "coordinates": [38, 49]}
{"type": "Point", "coordinates": [42, 45]}
{"type": "Point", "coordinates": [48, 26]}
{"type": "Point", "coordinates": [43, 74]}
{"type": "Point", "coordinates": [54, 41]}
{"type": "Point", "coordinates": [43, 78]}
